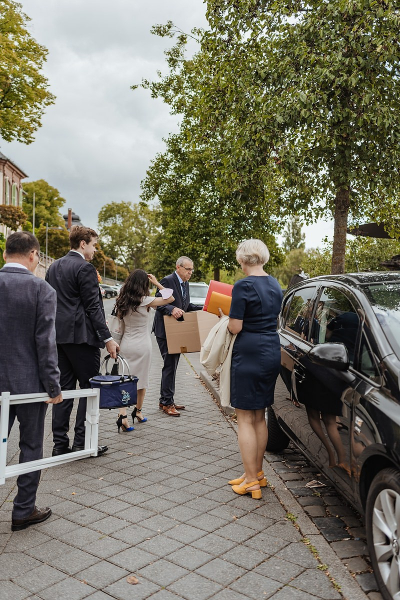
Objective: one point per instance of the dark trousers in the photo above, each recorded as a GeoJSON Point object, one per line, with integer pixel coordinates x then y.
{"type": "Point", "coordinates": [77, 363]}
{"type": "Point", "coordinates": [168, 373]}
{"type": "Point", "coordinates": [31, 428]}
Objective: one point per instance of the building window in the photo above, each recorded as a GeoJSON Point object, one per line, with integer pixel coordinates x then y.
{"type": "Point", "coordinates": [7, 191]}
{"type": "Point", "coordinates": [21, 197]}
{"type": "Point", "coordinates": [14, 194]}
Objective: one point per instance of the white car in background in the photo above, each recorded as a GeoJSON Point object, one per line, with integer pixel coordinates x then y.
{"type": "Point", "coordinates": [198, 292]}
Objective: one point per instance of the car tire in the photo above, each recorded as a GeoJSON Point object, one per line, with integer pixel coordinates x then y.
{"type": "Point", "coordinates": [277, 439]}
{"type": "Point", "coordinates": [108, 295]}
{"type": "Point", "coordinates": [383, 531]}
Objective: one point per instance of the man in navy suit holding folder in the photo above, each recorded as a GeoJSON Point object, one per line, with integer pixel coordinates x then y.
{"type": "Point", "coordinates": [178, 282]}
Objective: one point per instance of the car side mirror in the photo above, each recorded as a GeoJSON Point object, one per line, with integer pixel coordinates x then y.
{"type": "Point", "coordinates": [332, 354]}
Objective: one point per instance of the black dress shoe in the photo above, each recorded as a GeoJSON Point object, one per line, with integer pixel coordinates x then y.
{"type": "Point", "coordinates": [38, 516]}
{"type": "Point", "coordinates": [59, 451]}
{"type": "Point", "coordinates": [100, 449]}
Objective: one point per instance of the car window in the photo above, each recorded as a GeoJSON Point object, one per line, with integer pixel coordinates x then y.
{"type": "Point", "coordinates": [198, 291]}
{"type": "Point", "coordinates": [367, 362]}
{"type": "Point", "coordinates": [335, 320]}
{"type": "Point", "coordinates": [299, 313]}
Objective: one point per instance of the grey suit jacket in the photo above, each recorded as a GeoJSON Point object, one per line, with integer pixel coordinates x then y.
{"type": "Point", "coordinates": [28, 351]}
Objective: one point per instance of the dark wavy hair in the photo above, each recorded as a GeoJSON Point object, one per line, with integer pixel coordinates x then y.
{"type": "Point", "coordinates": [135, 287]}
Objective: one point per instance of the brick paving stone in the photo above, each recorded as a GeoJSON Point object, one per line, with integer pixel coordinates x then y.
{"type": "Point", "coordinates": [108, 525]}
{"type": "Point", "coordinates": [99, 596]}
{"type": "Point", "coordinates": [220, 571]}
{"type": "Point", "coordinates": [74, 561]}
{"type": "Point", "coordinates": [315, 511]}
{"type": "Point", "coordinates": [375, 596]}
{"type": "Point", "coordinates": [68, 589]}
{"type": "Point", "coordinates": [318, 582]}
{"type": "Point", "coordinates": [102, 574]}
{"type": "Point", "coordinates": [164, 595]}
{"type": "Point", "coordinates": [105, 546]}
{"type": "Point", "coordinates": [195, 587]}
{"type": "Point", "coordinates": [185, 533]}
{"type": "Point", "coordinates": [158, 523]}
{"type": "Point", "coordinates": [289, 593]}
{"type": "Point", "coordinates": [49, 549]}
{"type": "Point", "coordinates": [236, 532]}
{"type": "Point", "coordinates": [122, 590]}
{"type": "Point", "coordinates": [348, 549]}
{"type": "Point", "coordinates": [135, 514]}
{"type": "Point", "coordinates": [79, 537]}
{"type": "Point", "coordinates": [55, 527]}
{"type": "Point", "coordinates": [160, 546]}
{"type": "Point", "coordinates": [11, 591]}
{"type": "Point", "coordinates": [207, 522]}
{"type": "Point", "coordinates": [163, 572]}
{"type": "Point", "coordinates": [190, 558]}
{"type": "Point", "coordinates": [267, 543]}
{"type": "Point", "coordinates": [256, 586]}
{"type": "Point", "coordinates": [299, 554]}
{"type": "Point", "coordinates": [214, 544]}
{"type": "Point", "coordinates": [24, 540]}
{"type": "Point", "coordinates": [133, 534]}
{"type": "Point", "coordinates": [356, 565]}
{"type": "Point", "coordinates": [279, 569]}
{"type": "Point", "coordinates": [228, 594]}
{"type": "Point", "coordinates": [133, 558]}
{"type": "Point", "coordinates": [367, 582]}
{"type": "Point", "coordinates": [182, 513]}
{"type": "Point", "coordinates": [38, 579]}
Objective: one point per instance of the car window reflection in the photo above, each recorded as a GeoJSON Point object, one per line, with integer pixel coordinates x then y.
{"type": "Point", "coordinates": [300, 312]}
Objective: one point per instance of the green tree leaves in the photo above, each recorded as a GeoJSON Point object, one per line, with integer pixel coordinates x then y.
{"type": "Point", "coordinates": [24, 91]}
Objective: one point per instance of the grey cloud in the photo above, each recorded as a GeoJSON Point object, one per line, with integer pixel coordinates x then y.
{"type": "Point", "coordinates": [98, 140]}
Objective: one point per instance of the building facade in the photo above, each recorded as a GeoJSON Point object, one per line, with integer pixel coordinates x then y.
{"type": "Point", "coordinates": [11, 193]}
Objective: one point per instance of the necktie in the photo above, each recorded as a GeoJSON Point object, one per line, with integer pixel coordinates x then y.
{"type": "Point", "coordinates": [183, 291]}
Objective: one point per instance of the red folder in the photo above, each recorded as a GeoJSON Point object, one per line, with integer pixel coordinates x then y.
{"type": "Point", "coordinates": [221, 288]}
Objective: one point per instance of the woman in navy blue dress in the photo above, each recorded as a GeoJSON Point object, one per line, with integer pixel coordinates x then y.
{"type": "Point", "coordinates": [256, 359]}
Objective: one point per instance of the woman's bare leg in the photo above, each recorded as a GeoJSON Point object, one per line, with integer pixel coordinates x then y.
{"type": "Point", "coordinates": [261, 435]}
{"type": "Point", "coordinates": [248, 443]}
{"type": "Point", "coordinates": [140, 398]}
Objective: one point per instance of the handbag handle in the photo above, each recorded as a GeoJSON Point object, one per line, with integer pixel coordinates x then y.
{"type": "Point", "coordinates": [122, 361]}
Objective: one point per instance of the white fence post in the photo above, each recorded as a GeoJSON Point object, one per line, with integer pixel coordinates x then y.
{"type": "Point", "coordinates": [91, 433]}
{"type": "Point", "coordinates": [4, 416]}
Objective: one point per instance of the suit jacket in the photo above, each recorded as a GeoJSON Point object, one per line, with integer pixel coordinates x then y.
{"type": "Point", "coordinates": [80, 312]}
{"type": "Point", "coordinates": [172, 281]}
{"type": "Point", "coordinates": [28, 357]}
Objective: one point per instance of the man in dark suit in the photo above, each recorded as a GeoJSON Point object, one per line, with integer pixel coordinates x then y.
{"type": "Point", "coordinates": [28, 363]}
{"type": "Point", "coordinates": [81, 332]}
{"type": "Point", "coordinates": [178, 282]}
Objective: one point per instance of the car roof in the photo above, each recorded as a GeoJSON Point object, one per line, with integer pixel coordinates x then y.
{"type": "Point", "coordinates": [355, 280]}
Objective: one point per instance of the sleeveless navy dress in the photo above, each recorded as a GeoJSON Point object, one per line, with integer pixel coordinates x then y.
{"type": "Point", "coordinates": [256, 356]}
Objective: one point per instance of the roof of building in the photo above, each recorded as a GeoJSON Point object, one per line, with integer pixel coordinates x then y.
{"type": "Point", "coordinates": [5, 158]}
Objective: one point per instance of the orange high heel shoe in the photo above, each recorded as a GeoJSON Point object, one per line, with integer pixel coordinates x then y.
{"type": "Point", "coordinates": [261, 480]}
{"type": "Point", "coordinates": [244, 489]}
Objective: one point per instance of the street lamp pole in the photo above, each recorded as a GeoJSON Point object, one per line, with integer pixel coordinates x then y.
{"type": "Point", "coordinates": [116, 277]}
{"type": "Point", "coordinates": [104, 265]}
{"type": "Point", "coordinates": [33, 213]}
{"type": "Point", "coordinates": [47, 245]}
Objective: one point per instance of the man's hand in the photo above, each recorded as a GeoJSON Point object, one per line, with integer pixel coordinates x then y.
{"type": "Point", "coordinates": [55, 400]}
{"type": "Point", "coordinates": [177, 313]}
{"type": "Point", "coordinates": [112, 348]}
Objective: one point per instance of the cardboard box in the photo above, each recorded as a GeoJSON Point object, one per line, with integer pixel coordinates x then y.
{"type": "Point", "coordinates": [188, 335]}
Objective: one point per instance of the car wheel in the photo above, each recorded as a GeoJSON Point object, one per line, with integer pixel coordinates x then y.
{"type": "Point", "coordinates": [108, 295]}
{"type": "Point", "coordinates": [382, 516]}
{"type": "Point", "coordinates": [277, 439]}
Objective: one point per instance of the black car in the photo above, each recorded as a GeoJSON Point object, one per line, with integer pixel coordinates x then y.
{"type": "Point", "coordinates": [109, 291]}
{"type": "Point", "coordinates": [338, 398]}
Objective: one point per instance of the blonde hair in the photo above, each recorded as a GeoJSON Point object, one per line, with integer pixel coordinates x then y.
{"type": "Point", "coordinates": [252, 252]}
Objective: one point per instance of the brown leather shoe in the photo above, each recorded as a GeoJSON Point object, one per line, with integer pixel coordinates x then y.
{"type": "Point", "coordinates": [171, 411]}
{"type": "Point", "coordinates": [179, 407]}
{"type": "Point", "coordinates": [38, 516]}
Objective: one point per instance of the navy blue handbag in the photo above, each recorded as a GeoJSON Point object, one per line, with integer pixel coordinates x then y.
{"type": "Point", "coordinates": [116, 391]}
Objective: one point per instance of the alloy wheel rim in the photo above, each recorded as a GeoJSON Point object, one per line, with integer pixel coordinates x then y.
{"type": "Point", "coordinates": [386, 539]}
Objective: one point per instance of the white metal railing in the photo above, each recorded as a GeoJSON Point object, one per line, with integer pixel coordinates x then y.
{"type": "Point", "coordinates": [91, 432]}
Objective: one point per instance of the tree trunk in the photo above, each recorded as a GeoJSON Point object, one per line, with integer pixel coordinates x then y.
{"type": "Point", "coordinates": [342, 204]}
{"type": "Point", "coordinates": [217, 274]}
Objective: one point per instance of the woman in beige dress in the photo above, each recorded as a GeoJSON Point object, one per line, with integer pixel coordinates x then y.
{"type": "Point", "coordinates": [133, 307]}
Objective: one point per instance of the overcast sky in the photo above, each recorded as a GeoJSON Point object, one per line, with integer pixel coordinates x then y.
{"type": "Point", "coordinates": [97, 141]}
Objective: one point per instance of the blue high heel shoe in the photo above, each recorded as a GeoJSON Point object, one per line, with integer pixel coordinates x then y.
{"type": "Point", "coordinates": [135, 415]}
{"type": "Point", "coordinates": [120, 425]}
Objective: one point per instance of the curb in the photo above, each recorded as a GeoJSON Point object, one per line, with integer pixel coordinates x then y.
{"type": "Point", "coordinates": [349, 587]}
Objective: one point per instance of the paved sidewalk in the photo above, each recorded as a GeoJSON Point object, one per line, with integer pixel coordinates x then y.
{"type": "Point", "coordinates": [158, 506]}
